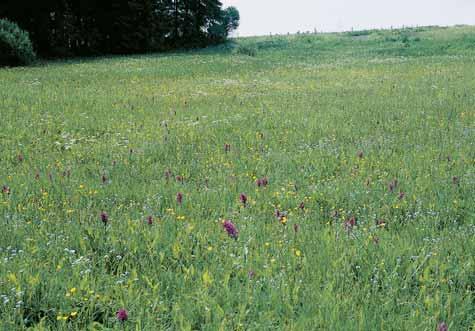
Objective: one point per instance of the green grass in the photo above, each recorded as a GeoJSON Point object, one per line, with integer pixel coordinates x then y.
{"type": "Point", "coordinates": [331, 120]}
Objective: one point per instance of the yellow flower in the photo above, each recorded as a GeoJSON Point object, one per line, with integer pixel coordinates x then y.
{"type": "Point", "coordinates": [297, 253]}
{"type": "Point", "coordinates": [283, 220]}
{"type": "Point", "coordinates": [73, 314]}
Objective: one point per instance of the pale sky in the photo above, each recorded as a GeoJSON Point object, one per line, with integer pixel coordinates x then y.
{"type": "Point", "coordinates": [261, 17]}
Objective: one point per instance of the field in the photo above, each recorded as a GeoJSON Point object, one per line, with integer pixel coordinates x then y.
{"type": "Point", "coordinates": [344, 165]}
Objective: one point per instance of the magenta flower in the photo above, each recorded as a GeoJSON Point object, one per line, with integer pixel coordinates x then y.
{"type": "Point", "coordinates": [231, 229]}
{"type": "Point", "coordinates": [262, 182]}
{"type": "Point", "coordinates": [122, 315]}
{"type": "Point", "coordinates": [179, 179]}
{"type": "Point", "coordinates": [350, 223]}
{"type": "Point", "coordinates": [104, 217]}
{"type": "Point", "coordinates": [150, 220]}
{"type": "Point", "coordinates": [227, 148]}
{"type": "Point", "coordinates": [243, 199]}
{"type": "Point", "coordinates": [442, 326]}
{"type": "Point", "coordinates": [401, 195]}
{"type": "Point", "coordinates": [302, 206]}
{"type": "Point", "coordinates": [179, 198]}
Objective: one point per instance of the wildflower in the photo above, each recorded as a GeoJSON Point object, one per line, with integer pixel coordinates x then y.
{"type": "Point", "coordinates": [20, 158]}
{"type": "Point", "coordinates": [262, 182]}
{"type": "Point", "coordinates": [243, 199]}
{"type": "Point", "coordinates": [231, 229]}
{"type": "Point", "coordinates": [150, 220]}
{"type": "Point", "coordinates": [380, 223]}
{"type": "Point", "coordinates": [401, 195]}
{"type": "Point", "coordinates": [227, 148]}
{"type": "Point", "coordinates": [281, 216]}
{"type": "Point", "coordinates": [442, 326]}
{"type": "Point", "coordinates": [360, 154]}
{"type": "Point", "coordinates": [122, 315]}
{"type": "Point", "coordinates": [283, 220]}
{"type": "Point", "coordinates": [5, 189]}
{"type": "Point", "coordinates": [179, 198]}
{"type": "Point", "coordinates": [298, 253]}
{"type": "Point", "coordinates": [179, 179]}
{"type": "Point", "coordinates": [251, 274]}
{"type": "Point", "coordinates": [104, 217]}
{"type": "Point", "coordinates": [350, 223]}
{"type": "Point", "coordinates": [302, 206]}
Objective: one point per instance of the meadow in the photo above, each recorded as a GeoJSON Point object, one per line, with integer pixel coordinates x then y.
{"type": "Point", "coordinates": [302, 182]}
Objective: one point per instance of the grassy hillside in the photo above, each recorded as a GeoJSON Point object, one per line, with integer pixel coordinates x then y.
{"type": "Point", "coordinates": [117, 175]}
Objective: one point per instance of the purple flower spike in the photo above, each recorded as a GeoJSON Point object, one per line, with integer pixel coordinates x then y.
{"type": "Point", "coordinates": [230, 229]}
{"type": "Point", "coordinates": [442, 327]}
{"type": "Point", "coordinates": [179, 198]}
{"type": "Point", "coordinates": [122, 315]}
{"type": "Point", "coordinates": [243, 199]}
{"type": "Point", "coordinates": [104, 217]}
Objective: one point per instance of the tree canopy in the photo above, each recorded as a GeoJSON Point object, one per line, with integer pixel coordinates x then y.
{"type": "Point", "coordinates": [88, 27]}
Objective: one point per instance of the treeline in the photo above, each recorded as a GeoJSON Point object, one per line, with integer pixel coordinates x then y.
{"type": "Point", "coordinates": [92, 27]}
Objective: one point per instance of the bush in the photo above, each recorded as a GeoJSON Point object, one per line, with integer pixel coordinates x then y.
{"type": "Point", "coordinates": [15, 45]}
{"type": "Point", "coordinates": [246, 50]}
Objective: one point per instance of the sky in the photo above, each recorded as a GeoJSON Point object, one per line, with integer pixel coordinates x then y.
{"type": "Point", "coordinates": [262, 17]}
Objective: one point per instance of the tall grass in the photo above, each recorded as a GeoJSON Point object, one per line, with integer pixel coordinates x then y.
{"type": "Point", "coordinates": [366, 221]}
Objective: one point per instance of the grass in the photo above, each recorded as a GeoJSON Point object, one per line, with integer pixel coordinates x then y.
{"type": "Point", "coordinates": [367, 142]}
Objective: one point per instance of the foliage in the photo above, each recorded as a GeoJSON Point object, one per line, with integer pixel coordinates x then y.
{"type": "Point", "coordinates": [82, 27]}
{"type": "Point", "coordinates": [365, 219]}
{"type": "Point", "coordinates": [15, 45]}
{"type": "Point", "coordinates": [248, 50]}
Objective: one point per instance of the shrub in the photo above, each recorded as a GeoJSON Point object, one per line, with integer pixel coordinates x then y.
{"type": "Point", "coordinates": [246, 50]}
{"type": "Point", "coordinates": [15, 45]}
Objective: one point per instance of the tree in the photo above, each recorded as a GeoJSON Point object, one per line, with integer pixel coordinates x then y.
{"type": "Point", "coordinates": [84, 27]}
{"type": "Point", "coordinates": [227, 22]}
